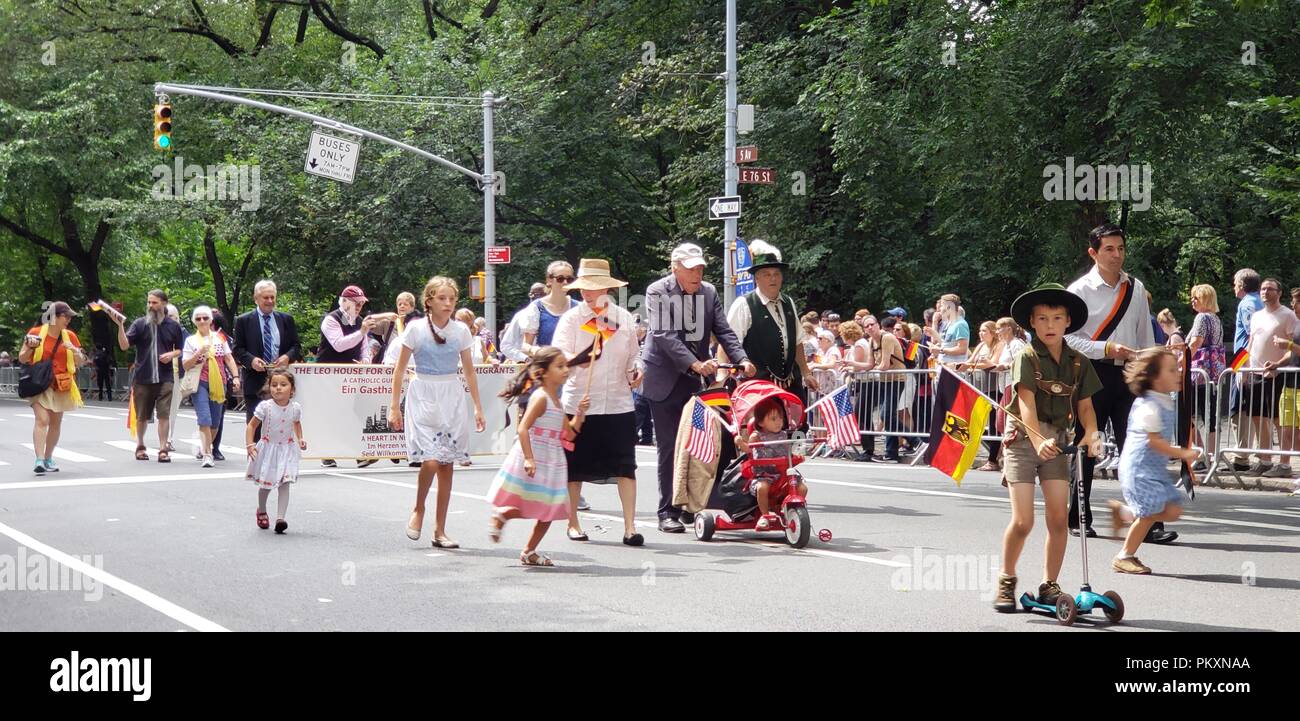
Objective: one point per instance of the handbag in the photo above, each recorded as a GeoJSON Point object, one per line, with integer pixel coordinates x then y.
{"type": "Point", "coordinates": [1212, 359]}
{"type": "Point", "coordinates": [190, 382]}
{"type": "Point", "coordinates": [34, 378]}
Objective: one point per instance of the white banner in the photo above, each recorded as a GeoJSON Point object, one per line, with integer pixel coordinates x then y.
{"type": "Point", "coordinates": [345, 411]}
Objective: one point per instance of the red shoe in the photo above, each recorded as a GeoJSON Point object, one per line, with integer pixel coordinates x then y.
{"type": "Point", "coordinates": [262, 520]}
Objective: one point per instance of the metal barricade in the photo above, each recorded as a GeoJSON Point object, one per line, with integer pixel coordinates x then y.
{"type": "Point", "coordinates": [899, 404]}
{"type": "Point", "coordinates": [1258, 413]}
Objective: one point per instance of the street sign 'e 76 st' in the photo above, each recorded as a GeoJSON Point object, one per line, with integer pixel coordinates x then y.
{"type": "Point", "coordinates": [332, 157]}
{"type": "Point", "coordinates": [723, 207]}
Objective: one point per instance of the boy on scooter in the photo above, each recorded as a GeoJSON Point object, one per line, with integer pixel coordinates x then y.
{"type": "Point", "coordinates": [1053, 385]}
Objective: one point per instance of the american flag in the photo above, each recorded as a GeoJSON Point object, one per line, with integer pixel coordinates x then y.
{"type": "Point", "coordinates": [700, 442]}
{"type": "Point", "coordinates": [842, 425]}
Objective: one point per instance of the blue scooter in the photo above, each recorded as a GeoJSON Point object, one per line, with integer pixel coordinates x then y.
{"type": "Point", "coordinates": [1068, 609]}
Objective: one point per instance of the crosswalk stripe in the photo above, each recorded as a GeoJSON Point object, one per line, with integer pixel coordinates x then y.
{"type": "Point", "coordinates": [70, 456]}
{"type": "Point", "coordinates": [69, 414]}
{"type": "Point", "coordinates": [122, 445]}
{"type": "Point", "coordinates": [224, 448]}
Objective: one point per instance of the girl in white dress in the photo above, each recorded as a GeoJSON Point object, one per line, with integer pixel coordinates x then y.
{"type": "Point", "coordinates": [436, 432]}
{"type": "Point", "coordinates": [273, 461]}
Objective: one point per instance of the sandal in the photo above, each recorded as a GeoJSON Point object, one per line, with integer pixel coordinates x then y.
{"type": "Point", "coordinates": [164, 456]}
{"type": "Point", "coordinates": [445, 542]}
{"type": "Point", "coordinates": [263, 521]}
{"type": "Point", "coordinates": [141, 454]}
{"type": "Point", "coordinates": [577, 536]}
{"type": "Point", "coordinates": [496, 525]}
{"type": "Point", "coordinates": [535, 559]}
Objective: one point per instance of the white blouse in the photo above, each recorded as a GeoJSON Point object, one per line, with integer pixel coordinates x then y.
{"type": "Point", "coordinates": [609, 390]}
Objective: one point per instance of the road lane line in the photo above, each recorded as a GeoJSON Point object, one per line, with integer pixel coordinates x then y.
{"type": "Point", "coordinates": [70, 456]}
{"type": "Point", "coordinates": [655, 524]}
{"type": "Point", "coordinates": [148, 598]}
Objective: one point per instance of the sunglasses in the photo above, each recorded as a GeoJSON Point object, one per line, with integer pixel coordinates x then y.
{"type": "Point", "coordinates": [563, 278]}
{"type": "Point", "coordinates": [196, 320]}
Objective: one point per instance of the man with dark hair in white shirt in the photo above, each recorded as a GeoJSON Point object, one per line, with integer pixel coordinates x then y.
{"type": "Point", "coordinates": [1119, 325]}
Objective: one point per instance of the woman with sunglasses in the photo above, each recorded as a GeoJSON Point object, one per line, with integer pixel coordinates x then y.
{"type": "Point", "coordinates": [544, 313]}
{"type": "Point", "coordinates": [208, 353]}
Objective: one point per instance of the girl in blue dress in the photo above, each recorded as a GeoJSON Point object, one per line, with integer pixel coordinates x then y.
{"type": "Point", "coordinates": [1144, 474]}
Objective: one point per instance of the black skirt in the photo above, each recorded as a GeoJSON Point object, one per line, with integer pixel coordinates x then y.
{"type": "Point", "coordinates": [605, 450]}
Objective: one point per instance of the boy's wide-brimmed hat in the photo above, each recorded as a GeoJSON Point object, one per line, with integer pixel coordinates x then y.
{"type": "Point", "coordinates": [1053, 294]}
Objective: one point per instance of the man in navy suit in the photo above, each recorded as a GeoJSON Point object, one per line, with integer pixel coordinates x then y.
{"type": "Point", "coordinates": [684, 312]}
{"type": "Point", "coordinates": [264, 338]}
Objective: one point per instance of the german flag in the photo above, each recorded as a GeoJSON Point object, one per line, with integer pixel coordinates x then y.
{"type": "Point", "coordinates": [912, 349]}
{"type": "Point", "coordinates": [960, 416]}
{"type": "Point", "coordinates": [1239, 360]}
{"type": "Point", "coordinates": [716, 398]}
{"type": "Point", "coordinates": [600, 327]}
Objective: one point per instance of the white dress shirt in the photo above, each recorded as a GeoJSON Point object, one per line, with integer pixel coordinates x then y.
{"type": "Point", "coordinates": [1134, 329]}
{"type": "Point", "coordinates": [610, 390]}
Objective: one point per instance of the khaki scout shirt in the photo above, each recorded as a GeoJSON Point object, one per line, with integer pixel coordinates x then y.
{"type": "Point", "coordinates": [1051, 408]}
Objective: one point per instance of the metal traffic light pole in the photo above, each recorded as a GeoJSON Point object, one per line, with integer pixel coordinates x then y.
{"type": "Point", "coordinates": [484, 180]}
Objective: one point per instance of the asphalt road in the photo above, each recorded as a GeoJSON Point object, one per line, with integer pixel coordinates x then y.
{"type": "Point", "coordinates": [176, 548]}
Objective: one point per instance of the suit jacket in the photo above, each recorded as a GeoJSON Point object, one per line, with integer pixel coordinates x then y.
{"type": "Point", "coordinates": [248, 345]}
{"type": "Point", "coordinates": [680, 328]}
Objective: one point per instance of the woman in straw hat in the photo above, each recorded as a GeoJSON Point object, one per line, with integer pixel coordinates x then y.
{"type": "Point", "coordinates": [599, 338]}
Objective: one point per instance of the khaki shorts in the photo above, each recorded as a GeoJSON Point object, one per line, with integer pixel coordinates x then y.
{"type": "Point", "coordinates": [151, 397]}
{"type": "Point", "coordinates": [1021, 464]}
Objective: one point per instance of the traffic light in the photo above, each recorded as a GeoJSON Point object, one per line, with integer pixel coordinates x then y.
{"type": "Point", "coordinates": [478, 286]}
{"type": "Point", "coordinates": [162, 126]}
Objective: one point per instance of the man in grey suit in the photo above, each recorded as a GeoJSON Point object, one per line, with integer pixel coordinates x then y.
{"type": "Point", "coordinates": [684, 312]}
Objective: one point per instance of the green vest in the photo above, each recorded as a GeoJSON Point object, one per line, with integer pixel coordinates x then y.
{"type": "Point", "coordinates": [763, 341]}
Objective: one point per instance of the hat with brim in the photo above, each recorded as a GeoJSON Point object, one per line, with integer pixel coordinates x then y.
{"type": "Point", "coordinates": [763, 259]}
{"type": "Point", "coordinates": [593, 274]}
{"type": "Point", "coordinates": [1051, 294]}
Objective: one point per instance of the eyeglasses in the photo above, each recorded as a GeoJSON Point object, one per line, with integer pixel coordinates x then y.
{"type": "Point", "coordinates": [563, 278]}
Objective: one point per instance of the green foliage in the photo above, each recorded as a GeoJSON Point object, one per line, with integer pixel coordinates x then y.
{"type": "Point", "coordinates": [919, 176]}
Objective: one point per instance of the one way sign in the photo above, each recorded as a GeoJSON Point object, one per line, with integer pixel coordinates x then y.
{"type": "Point", "coordinates": [723, 207]}
{"type": "Point", "coordinates": [332, 157]}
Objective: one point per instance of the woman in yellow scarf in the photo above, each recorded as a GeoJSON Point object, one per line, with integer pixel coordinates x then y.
{"type": "Point", "coordinates": [208, 353]}
{"type": "Point", "coordinates": [54, 342]}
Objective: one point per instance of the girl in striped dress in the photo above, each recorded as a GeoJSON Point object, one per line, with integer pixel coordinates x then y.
{"type": "Point", "coordinates": [533, 480]}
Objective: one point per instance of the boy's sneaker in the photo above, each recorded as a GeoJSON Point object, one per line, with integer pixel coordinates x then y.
{"type": "Point", "coordinates": [39, 468]}
{"type": "Point", "coordinates": [1130, 565]}
{"type": "Point", "coordinates": [49, 466]}
{"type": "Point", "coordinates": [1005, 601]}
{"type": "Point", "coordinates": [1048, 592]}
{"type": "Point", "coordinates": [1281, 470]}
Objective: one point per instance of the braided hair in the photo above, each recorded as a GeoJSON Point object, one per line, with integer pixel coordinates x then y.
{"type": "Point", "coordinates": [435, 284]}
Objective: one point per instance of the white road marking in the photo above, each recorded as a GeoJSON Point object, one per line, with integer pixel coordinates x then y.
{"type": "Point", "coordinates": [152, 600]}
{"type": "Point", "coordinates": [70, 456]}
{"type": "Point", "coordinates": [996, 499]}
{"type": "Point", "coordinates": [655, 524]}
{"type": "Point", "coordinates": [224, 448]}
{"type": "Point", "coordinates": [159, 478]}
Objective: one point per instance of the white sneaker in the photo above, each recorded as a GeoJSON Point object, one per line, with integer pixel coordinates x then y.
{"type": "Point", "coordinates": [1281, 470]}
{"type": "Point", "coordinates": [207, 462]}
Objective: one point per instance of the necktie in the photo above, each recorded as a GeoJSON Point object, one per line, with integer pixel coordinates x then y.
{"type": "Point", "coordinates": [268, 350]}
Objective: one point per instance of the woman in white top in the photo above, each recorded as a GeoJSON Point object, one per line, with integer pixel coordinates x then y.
{"type": "Point", "coordinates": [209, 351]}
{"type": "Point", "coordinates": [604, 450]}
{"type": "Point", "coordinates": [825, 361]}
